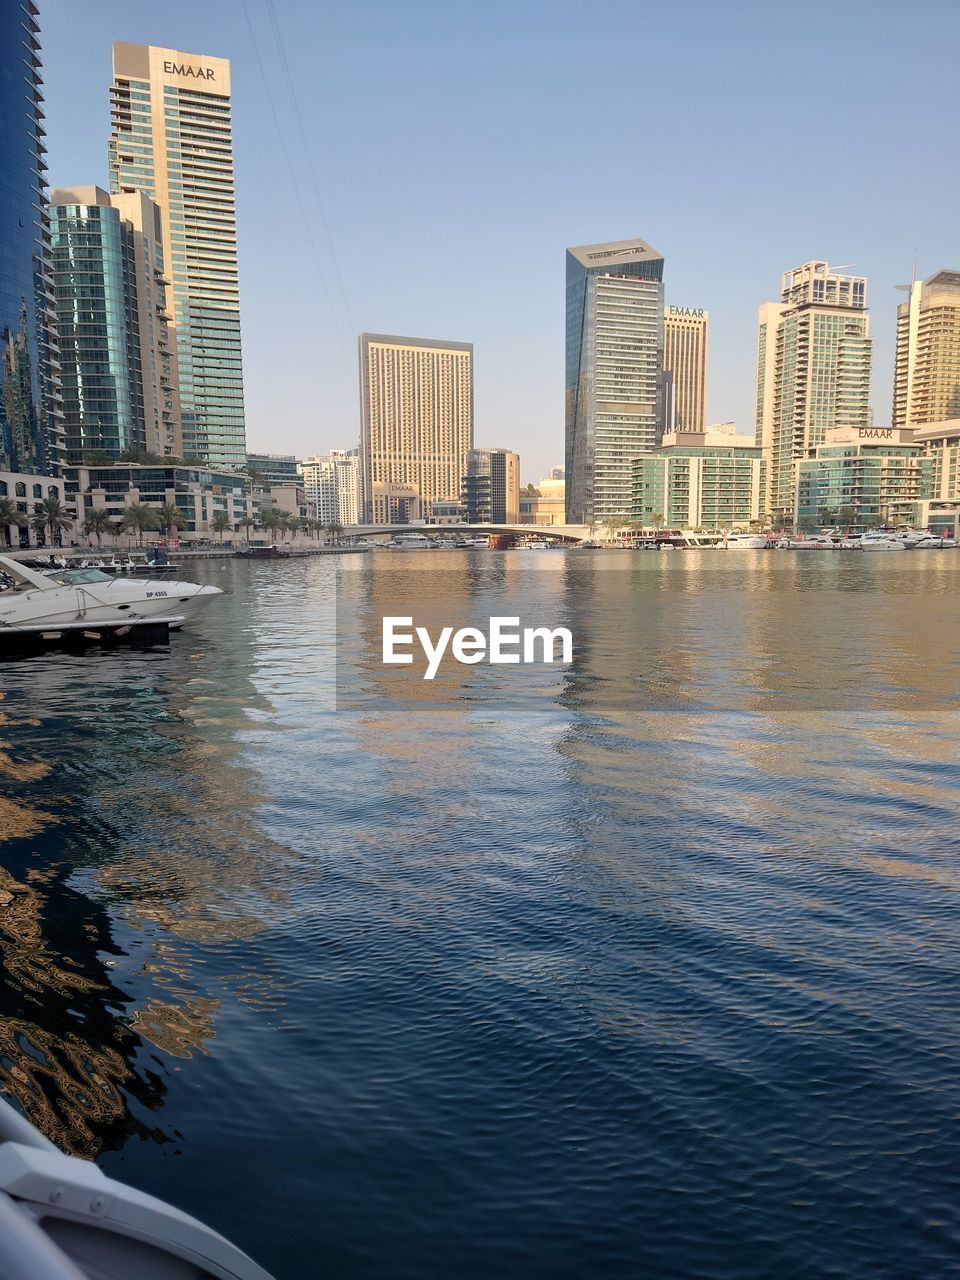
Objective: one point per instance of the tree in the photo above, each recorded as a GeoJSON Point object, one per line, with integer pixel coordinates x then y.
{"type": "Point", "coordinates": [270, 519]}
{"type": "Point", "coordinates": [51, 517]}
{"type": "Point", "coordinates": [97, 457]}
{"type": "Point", "coordinates": [531, 491]}
{"type": "Point", "coordinates": [138, 518]}
{"type": "Point", "coordinates": [98, 523]}
{"type": "Point", "coordinates": [247, 522]}
{"type": "Point", "coordinates": [220, 523]}
{"type": "Point", "coordinates": [171, 518]}
{"type": "Point", "coordinates": [10, 515]}
{"type": "Point", "coordinates": [335, 530]}
{"type": "Point", "coordinates": [657, 519]}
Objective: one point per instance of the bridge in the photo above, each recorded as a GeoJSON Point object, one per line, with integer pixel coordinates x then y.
{"type": "Point", "coordinates": [554, 532]}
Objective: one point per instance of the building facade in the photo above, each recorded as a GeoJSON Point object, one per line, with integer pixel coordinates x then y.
{"type": "Point", "coordinates": [31, 423]}
{"type": "Point", "coordinates": [491, 487]}
{"type": "Point", "coordinates": [859, 478]}
{"type": "Point", "coordinates": [926, 383]}
{"type": "Point", "coordinates": [171, 137]}
{"type": "Point", "coordinates": [698, 480]}
{"type": "Point", "coordinates": [416, 414]}
{"type": "Point", "coordinates": [118, 370]}
{"type": "Point", "coordinates": [813, 371]}
{"type": "Point", "coordinates": [941, 442]}
{"type": "Point", "coordinates": [548, 505]}
{"type": "Point", "coordinates": [275, 468]}
{"type": "Point", "coordinates": [686, 333]}
{"type": "Point", "coordinates": [614, 379]}
{"type": "Point", "coordinates": [27, 492]}
{"type": "Point", "coordinates": [331, 483]}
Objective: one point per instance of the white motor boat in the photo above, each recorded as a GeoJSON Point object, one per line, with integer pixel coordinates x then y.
{"type": "Point", "coordinates": [62, 1218]}
{"type": "Point", "coordinates": [881, 540]}
{"type": "Point", "coordinates": [409, 542]}
{"type": "Point", "coordinates": [84, 597]}
{"type": "Point", "coordinates": [738, 541]}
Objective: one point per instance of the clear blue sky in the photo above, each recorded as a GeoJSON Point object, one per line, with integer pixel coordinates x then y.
{"type": "Point", "coordinates": [459, 148]}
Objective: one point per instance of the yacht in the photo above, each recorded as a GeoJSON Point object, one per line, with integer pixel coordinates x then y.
{"type": "Point", "coordinates": [882, 540]}
{"type": "Point", "coordinates": [85, 597]}
{"type": "Point", "coordinates": [62, 1218]}
{"type": "Point", "coordinates": [747, 540]}
{"type": "Point", "coordinates": [409, 542]}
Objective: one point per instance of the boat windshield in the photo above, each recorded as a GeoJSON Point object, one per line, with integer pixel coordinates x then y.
{"type": "Point", "coordinates": [76, 577]}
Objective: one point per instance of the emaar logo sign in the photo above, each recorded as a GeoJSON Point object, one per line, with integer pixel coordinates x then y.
{"type": "Point", "coordinates": [193, 73]}
{"type": "Point", "coordinates": [504, 644]}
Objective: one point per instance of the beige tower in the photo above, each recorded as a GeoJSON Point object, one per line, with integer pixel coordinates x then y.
{"type": "Point", "coordinates": [926, 384]}
{"type": "Point", "coordinates": [416, 410]}
{"type": "Point", "coordinates": [686, 331]}
{"type": "Point", "coordinates": [172, 138]}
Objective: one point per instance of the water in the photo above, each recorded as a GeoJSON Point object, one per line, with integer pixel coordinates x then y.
{"type": "Point", "coordinates": [643, 968]}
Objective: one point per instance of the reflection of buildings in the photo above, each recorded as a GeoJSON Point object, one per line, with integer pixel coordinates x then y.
{"type": "Point", "coordinates": [119, 374]}
{"type": "Point", "coordinates": [491, 487]}
{"type": "Point", "coordinates": [416, 413]}
{"type": "Point", "coordinates": [172, 138]}
{"type": "Point", "coordinates": [813, 371]}
{"type": "Point", "coordinates": [927, 375]}
{"type": "Point", "coordinates": [30, 402]}
{"type": "Point", "coordinates": [613, 373]}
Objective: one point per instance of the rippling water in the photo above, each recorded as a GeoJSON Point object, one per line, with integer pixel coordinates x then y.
{"type": "Point", "coordinates": [647, 967]}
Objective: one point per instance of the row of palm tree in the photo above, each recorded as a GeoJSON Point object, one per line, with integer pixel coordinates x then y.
{"type": "Point", "coordinates": [138, 518]}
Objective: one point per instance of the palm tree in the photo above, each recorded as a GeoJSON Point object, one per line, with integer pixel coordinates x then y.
{"type": "Point", "coordinates": [220, 523]}
{"type": "Point", "coordinates": [98, 523]}
{"type": "Point", "coordinates": [171, 518]}
{"type": "Point", "coordinates": [270, 519]}
{"type": "Point", "coordinates": [138, 518]}
{"type": "Point", "coordinates": [247, 522]}
{"type": "Point", "coordinates": [335, 529]}
{"type": "Point", "coordinates": [10, 515]}
{"type": "Point", "coordinates": [51, 517]}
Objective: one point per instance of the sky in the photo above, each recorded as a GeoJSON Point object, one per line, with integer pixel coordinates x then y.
{"type": "Point", "coordinates": [418, 167]}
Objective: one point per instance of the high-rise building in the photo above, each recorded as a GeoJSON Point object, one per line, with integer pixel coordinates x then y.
{"type": "Point", "coordinates": [416, 410]}
{"type": "Point", "coordinates": [31, 424]}
{"type": "Point", "coordinates": [686, 331]}
{"type": "Point", "coordinates": [171, 137]}
{"type": "Point", "coordinates": [491, 487]}
{"type": "Point", "coordinates": [813, 372]}
{"type": "Point", "coordinates": [926, 384]}
{"type": "Point", "coordinates": [119, 376]}
{"type": "Point", "coordinates": [331, 483]}
{"type": "Point", "coordinates": [614, 380]}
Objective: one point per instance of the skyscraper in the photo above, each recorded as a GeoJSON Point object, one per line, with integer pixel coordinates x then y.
{"type": "Point", "coordinates": [171, 137]}
{"type": "Point", "coordinates": [926, 384]}
{"type": "Point", "coordinates": [30, 399]}
{"type": "Point", "coordinates": [491, 487]}
{"type": "Point", "coordinates": [686, 331]}
{"type": "Point", "coordinates": [813, 371]}
{"type": "Point", "coordinates": [614, 362]}
{"type": "Point", "coordinates": [119, 376]}
{"type": "Point", "coordinates": [331, 485]}
{"type": "Point", "coordinates": [416, 408]}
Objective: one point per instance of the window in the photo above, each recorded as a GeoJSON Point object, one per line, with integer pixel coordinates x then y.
{"type": "Point", "coordinates": [21, 489]}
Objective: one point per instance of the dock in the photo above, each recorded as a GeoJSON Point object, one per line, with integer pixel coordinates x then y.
{"type": "Point", "coordinates": [29, 641]}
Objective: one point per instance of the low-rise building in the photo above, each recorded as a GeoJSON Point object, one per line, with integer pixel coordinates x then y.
{"type": "Point", "coordinates": [547, 504]}
{"type": "Point", "coordinates": [940, 510]}
{"type": "Point", "coordinates": [700, 480]}
{"type": "Point", "coordinates": [27, 493]}
{"type": "Point", "coordinates": [862, 477]}
{"type": "Point", "coordinates": [274, 468]}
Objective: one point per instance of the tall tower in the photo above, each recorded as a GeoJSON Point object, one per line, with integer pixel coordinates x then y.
{"type": "Point", "coordinates": [416, 414]}
{"type": "Point", "coordinates": [614, 381]}
{"type": "Point", "coordinates": [813, 371]}
{"type": "Point", "coordinates": [171, 137]}
{"type": "Point", "coordinates": [118, 370]}
{"type": "Point", "coordinates": [31, 418]}
{"type": "Point", "coordinates": [926, 383]}
{"type": "Point", "coordinates": [686, 331]}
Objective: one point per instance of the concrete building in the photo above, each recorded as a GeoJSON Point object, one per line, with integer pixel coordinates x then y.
{"type": "Point", "coordinates": [861, 477]}
{"type": "Point", "coordinates": [31, 422]}
{"type": "Point", "coordinates": [940, 510]}
{"type": "Point", "coordinates": [813, 371]}
{"type": "Point", "coordinates": [27, 492]}
{"type": "Point", "coordinates": [548, 505]}
{"type": "Point", "coordinates": [171, 137]}
{"type": "Point", "coordinates": [686, 333]}
{"type": "Point", "coordinates": [331, 483]}
{"type": "Point", "coordinates": [614, 379]}
{"type": "Point", "coordinates": [275, 468]}
{"type": "Point", "coordinates": [491, 487]}
{"type": "Point", "coordinates": [700, 480]}
{"type": "Point", "coordinates": [119, 373]}
{"type": "Point", "coordinates": [926, 384]}
{"type": "Point", "coordinates": [416, 408]}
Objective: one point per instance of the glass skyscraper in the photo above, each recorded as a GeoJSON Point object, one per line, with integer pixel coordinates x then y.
{"type": "Point", "coordinates": [614, 362]}
{"type": "Point", "coordinates": [172, 138]}
{"type": "Point", "coordinates": [30, 406]}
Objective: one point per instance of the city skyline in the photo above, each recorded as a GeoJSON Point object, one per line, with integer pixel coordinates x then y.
{"type": "Point", "coordinates": [518, 211]}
